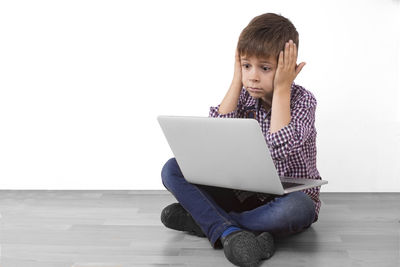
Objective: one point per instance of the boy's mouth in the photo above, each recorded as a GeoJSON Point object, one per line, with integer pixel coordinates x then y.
{"type": "Point", "coordinates": [254, 89]}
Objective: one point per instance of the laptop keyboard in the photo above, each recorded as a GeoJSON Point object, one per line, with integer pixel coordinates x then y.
{"type": "Point", "coordinates": [288, 184]}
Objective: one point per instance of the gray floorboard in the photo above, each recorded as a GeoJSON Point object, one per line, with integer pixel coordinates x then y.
{"type": "Point", "coordinates": [121, 228]}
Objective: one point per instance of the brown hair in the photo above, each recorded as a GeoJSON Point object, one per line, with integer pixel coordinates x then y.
{"type": "Point", "coordinates": [266, 35]}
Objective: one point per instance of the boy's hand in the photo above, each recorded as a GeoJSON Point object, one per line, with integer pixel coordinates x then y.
{"type": "Point", "coordinates": [237, 76]}
{"type": "Point", "coordinates": [287, 69]}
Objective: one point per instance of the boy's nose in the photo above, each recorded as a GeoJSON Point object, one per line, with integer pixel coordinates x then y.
{"type": "Point", "coordinates": [253, 76]}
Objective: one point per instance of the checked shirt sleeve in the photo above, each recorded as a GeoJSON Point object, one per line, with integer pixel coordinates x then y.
{"type": "Point", "coordinates": [290, 139]}
{"type": "Point", "coordinates": [214, 111]}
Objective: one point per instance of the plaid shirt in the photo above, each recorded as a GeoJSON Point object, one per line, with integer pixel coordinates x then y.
{"type": "Point", "coordinates": [292, 148]}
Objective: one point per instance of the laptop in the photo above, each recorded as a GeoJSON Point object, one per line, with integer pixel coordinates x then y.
{"type": "Point", "coordinates": [227, 152]}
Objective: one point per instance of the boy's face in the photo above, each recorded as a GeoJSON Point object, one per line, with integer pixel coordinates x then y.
{"type": "Point", "coordinates": [259, 73]}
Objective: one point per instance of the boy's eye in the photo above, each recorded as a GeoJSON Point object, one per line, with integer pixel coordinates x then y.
{"type": "Point", "coordinates": [264, 67]}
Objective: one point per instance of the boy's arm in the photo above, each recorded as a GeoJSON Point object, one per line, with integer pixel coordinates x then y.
{"type": "Point", "coordinates": [230, 105]}
{"type": "Point", "coordinates": [230, 101]}
{"type": "Point", "coordinates": [233, 98]}
{"type": "Point", "coordinates": [288, 133]}
{"type": "Point", "coordinates": [280, 111]}
{"type": "Point", "coordinates": [290, 139]}
{"type": "Point", "coordinates": [287, 70]}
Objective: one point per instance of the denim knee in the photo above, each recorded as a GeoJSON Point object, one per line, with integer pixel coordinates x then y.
{"type": "Point", "coordinates": [299, 212]}
{"type": "Point", "coordinates": [305, 203]}
{"type": "Point", "coordinates": [293, 213]}
{"type": "Point", "coordinates": [167, 172]}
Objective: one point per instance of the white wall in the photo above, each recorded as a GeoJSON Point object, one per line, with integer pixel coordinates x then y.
{"type": "Point", "coordinates": [82, 82]}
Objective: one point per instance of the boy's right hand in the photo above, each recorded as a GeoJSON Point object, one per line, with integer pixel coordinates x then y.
{"type": "Point", "coordinates": [237, 76]}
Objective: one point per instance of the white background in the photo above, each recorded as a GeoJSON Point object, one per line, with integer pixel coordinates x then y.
{"type": "Point", "coordinates": [82, 82]}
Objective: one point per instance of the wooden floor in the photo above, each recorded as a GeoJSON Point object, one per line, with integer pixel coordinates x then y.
{"type": "Point", "coordinates": [53, 228]}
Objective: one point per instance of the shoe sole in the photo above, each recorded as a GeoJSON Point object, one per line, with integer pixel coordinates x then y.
{"type": "Point", "coordinates": [245, 252]}
{"type": "Point", "coordinates": [188, 224]}
{"type": "Point", "coordinates": [266, 243]}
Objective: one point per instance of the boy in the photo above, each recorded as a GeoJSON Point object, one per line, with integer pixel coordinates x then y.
{"type": "Point", "coordinates": [243, 222]}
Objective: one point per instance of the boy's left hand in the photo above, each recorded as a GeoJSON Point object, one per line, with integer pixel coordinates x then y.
{"type": "Point", "coordinates": [287, 69]}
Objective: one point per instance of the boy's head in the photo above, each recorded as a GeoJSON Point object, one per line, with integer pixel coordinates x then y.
{"type": "Point", "coordinates": [262, 40]}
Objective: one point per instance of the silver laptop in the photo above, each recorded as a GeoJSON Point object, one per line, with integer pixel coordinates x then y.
{"type": "Point", "coordinates": [227, 152]}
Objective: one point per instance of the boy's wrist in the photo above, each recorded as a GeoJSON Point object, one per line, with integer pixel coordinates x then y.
{"type": "Point", "coordinates": [237, 78]}
{"type": "Point", "coordinates": [237, 82]}
{"type": "Point", "coordinates": [282, 89]}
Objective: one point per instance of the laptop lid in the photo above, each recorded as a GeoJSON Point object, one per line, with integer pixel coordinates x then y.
{"type": "Point", "coordinates": [224, 152]}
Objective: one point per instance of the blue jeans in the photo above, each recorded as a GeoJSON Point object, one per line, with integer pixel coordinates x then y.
{"type": "Point", "coordinates": [216, 208]}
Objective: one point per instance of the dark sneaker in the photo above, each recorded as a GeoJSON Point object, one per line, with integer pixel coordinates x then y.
{"type": "Point", "coordinates": [266, 242]}
{"type": "Point", "coordinates": [243, 248]}
{"type": "Point", "coordinates": [174, 216]}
